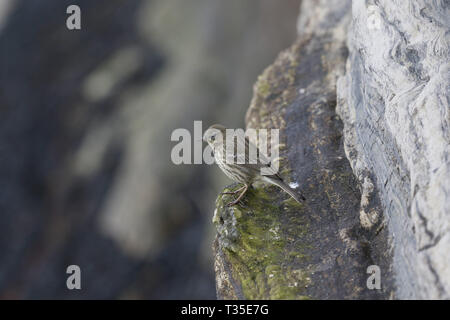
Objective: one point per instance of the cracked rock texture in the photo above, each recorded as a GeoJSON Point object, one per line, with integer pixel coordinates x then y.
{"type": "Point", "coordinates": [361, 99]}
{"type": "Point", "coordinates": [394, 103]}
{"type": "Point", "coordinates": [269, 247]}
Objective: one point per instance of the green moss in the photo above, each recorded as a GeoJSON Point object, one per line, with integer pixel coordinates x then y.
{"type": "Point", "coordinates": [264, 236]}
{"type": "Point", "coordinates": [291, 75]}
{"type": "Point", "coordinates": [263, 87]}
{"type": "Point", "coordinates": [293, 203]}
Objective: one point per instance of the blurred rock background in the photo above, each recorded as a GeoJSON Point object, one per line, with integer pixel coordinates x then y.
{"type": "Point", "coordinates": [85, 122]}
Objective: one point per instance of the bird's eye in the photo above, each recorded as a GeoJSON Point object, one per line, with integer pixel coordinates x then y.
{"type": "Point", "coordinates": [213, 138]}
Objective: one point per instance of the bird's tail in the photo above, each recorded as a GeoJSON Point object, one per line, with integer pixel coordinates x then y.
{"type": "Point", "coordinates": [280, 183]}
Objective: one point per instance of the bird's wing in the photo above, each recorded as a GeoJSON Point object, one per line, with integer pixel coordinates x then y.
{"type": "Point", "coordinates": [261, 161]}
{"type": "Point", "coordinates": [253, 159]}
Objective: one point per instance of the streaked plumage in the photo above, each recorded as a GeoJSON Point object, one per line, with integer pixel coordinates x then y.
{"type": "Point", "coordinates": [245, 173]}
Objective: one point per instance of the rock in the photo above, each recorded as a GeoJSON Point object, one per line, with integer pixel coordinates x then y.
{"type": "Point", "coordinates": [270, 247]}
{"type": "Point", "coordinates": [393, 101]}
{"type": "Point", "coordinates": [362, 102]}
{"type": "Point", "coordinates": [252, 239]}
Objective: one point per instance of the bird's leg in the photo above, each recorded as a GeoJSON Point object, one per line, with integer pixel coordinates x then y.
{"type": "Point", "coordinates": [232, 203]}
{"type": "Point", "coordinates": [234, 192]}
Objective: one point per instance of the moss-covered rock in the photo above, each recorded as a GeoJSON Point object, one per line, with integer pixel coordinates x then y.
{"type": "Point", "coordinates": [258, 236]}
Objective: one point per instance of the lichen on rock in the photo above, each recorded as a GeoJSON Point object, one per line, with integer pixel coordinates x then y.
{"type": "Point", "coordinates": [258, 237]}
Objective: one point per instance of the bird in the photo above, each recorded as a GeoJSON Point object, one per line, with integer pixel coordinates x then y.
{"type": "Point", "coordinates": [244, 173]}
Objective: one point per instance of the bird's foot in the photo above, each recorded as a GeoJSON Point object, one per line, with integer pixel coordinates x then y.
{"type": "Point", "coordinates": [232, 203]}
{"type": "Point", "coordinates": [241, 203]}
{"type": "Point", "coordinates": [233, 192]}
{"type": "Point", "coordinates": [238, 199]}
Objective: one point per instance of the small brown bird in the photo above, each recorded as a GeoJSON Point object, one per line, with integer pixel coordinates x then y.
{"type": "Point", "coordinates": [245, 173]}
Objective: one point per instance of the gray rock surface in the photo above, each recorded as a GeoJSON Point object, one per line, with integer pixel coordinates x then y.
{"type": "Point", "coordinates": [382, 68]}
{"type": "Point", "coordinates": [394, 102]}
{"type": "Point", "coordinates": [269, 247]}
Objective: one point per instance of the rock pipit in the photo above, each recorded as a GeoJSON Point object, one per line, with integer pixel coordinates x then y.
{"type": "Point", "coordinates": [248, 171]}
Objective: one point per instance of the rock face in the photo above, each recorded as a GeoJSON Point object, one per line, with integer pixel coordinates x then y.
{"type": "Point", "coordinates": [361, 101]}
{"type": "Point", "coordinates": [269, 247]}
{"type": "Point", "coordinates": [394, 104]}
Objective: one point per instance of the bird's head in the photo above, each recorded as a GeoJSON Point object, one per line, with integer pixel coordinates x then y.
{"type": "Point", "coordinates": [215, 135]}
